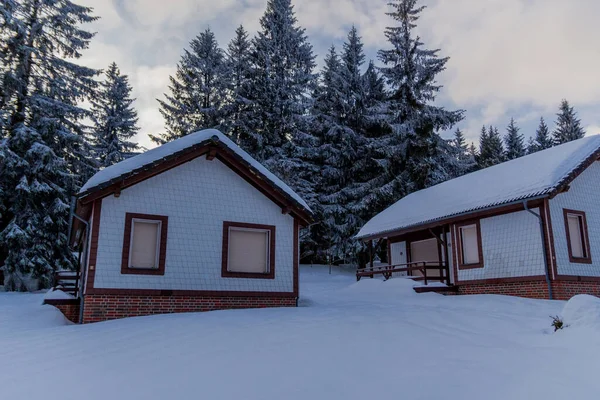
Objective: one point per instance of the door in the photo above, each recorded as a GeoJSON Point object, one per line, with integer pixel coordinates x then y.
{"type": "Point", "coordinates": [428, 251]}
{"type": "Point", "coordinates": [398, 254]}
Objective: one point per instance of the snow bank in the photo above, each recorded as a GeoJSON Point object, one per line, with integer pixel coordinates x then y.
{"type": "Point", "coordinates": [57, 294]}
{"type": "Point", "coordinates": [395, 287]}
{"type": "Point", "coordinates": [582, 310]}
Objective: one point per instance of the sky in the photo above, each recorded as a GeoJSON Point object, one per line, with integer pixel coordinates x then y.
{"type": "Point", "coordinates": [508, 58]}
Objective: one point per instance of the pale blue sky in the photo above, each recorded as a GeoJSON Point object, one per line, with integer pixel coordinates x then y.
{"type": "Point", "coordinates": [514, 58]}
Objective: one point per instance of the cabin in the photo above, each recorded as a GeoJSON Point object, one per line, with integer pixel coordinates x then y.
{"type": "Point", "coordinates": [528, 227]}
{"type": "Point", "coordinates": [193, 225]}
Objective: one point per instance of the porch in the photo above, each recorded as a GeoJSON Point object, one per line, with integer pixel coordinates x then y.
{"type": "Point", "coordinates": [423, 256]}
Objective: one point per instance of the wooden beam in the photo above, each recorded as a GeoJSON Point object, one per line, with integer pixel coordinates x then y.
{"type": "Point", "coordinates": [371, 253]}
{"type": "Point", "coordinates": [211, 154]}
{"type": "Point", "coordinates": [446, 254]}
{"type": "Point", "coordinates": [286, 210]}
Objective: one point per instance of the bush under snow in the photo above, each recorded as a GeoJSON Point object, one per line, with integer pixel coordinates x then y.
{"type": "Point", "coordinates": [582, 310]}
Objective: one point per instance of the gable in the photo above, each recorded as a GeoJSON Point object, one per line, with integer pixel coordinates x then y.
{"type": "Point", "coordinates": [216, 148]}
{"type": "Point", "coordinates": [197, 186]}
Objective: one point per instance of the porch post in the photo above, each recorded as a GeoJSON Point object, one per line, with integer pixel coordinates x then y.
{"type": "Point", "coordinates": [446, 256]}
{"type": "Point", "coordinates": [371, 253]}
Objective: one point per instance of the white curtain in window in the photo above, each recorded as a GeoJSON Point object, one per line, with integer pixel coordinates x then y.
{"type": "Point", "coordinates": [248, 251]}
{"type": "Point", "coordinates": [144, 244]}
{"type": "Point", "coordinates": [577, 248]}
{"type": "Point", "coordinates": [470, 247]}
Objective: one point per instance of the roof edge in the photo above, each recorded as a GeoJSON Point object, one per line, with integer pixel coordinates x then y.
{"type": "Point", "coordinates": [445, 218]}
{"type": "Point", "coordinates": [188, 154]}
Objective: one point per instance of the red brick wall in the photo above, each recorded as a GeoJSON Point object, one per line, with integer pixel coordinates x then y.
{"type": "Point", "coordinates": [70, 308]}
{"type": "Point", "coordinates": [530, 289]}
{"type": "Point", "coordinates": [562, 290]}
{"type": "Point", "coordinates": [105, 307]}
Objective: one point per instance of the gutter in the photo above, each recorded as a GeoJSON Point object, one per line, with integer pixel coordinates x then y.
{"type": "Point", "coordinates": [541, 221]}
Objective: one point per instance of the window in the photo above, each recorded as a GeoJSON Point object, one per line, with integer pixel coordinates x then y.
{"type": "Point", "coordinates": [469, 246]}
{"type": "Point", "coordinates": [577, 236]}
{"type": "Point", "coordinates": [145, 241]}
{"type": "Point", "coordinates": [248, 251]}
{"type": "Point", "coordinates": [144, 244]}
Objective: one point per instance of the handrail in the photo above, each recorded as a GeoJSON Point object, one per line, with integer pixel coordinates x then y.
{"type": "Point", "coordinates": [422, 266]}
{"type": "Point", "coordinates": [68, 280]}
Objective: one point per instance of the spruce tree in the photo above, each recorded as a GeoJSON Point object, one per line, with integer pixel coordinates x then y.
{"type": "Point", "coordinates": [514, 141]}
{"type": "Point", "coordinates": [542, 138]}
{"type": "Point", "coordinates": [282, 80]}
{"type": "Point", "coordinates": [491, 151]}
{"type": "Point", "coordinates": [197, 91]}
{"type": "Point", "coordinates": [115, 119]}
{"type": "Point", "coordinates": [45, 156]}
{"type": "Point", "coordinates": [238, 110]}
{"type": "Point", "coordinates": [408, 153]}
{"type": "Point", "coordinates": [463, 159]}
{"type": "Point", "coordinates": [568, 126]}
{"type": "Point", "coordinates": [341, 122]}
{"type": "Point", "coordinates": [473, 152]}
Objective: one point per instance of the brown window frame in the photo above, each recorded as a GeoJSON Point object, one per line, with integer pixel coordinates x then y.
{"type": "Point", "coordinates": [459, 245]}
{"type": "Point", "coordinates": [584, 236]}
{"type": "Point", "coordinates": [225, 273]}
{"type": "Point", "coordinates": [162, 254]}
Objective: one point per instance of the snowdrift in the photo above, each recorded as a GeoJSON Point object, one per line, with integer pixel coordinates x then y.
{"type": "Point", "coordinates": [582, 310]}
{"type": "Point", "coordinates": [57, 294]}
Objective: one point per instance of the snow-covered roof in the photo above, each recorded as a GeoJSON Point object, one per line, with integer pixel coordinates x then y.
{"type": "Point", "coordinates": [537, 174]}
{"type": "Point", "coordinates": [137, 163]}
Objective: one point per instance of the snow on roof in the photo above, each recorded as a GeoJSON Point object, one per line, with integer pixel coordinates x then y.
{"type": "Point", "coordinates": [149, 157]}
{"type": "Point", "coordinates": [537, 174]}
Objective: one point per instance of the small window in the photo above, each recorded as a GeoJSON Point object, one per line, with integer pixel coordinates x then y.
{"type": "Point", "coordinates": [248, 250]}
{"type": "Point", "coordinates": [470, 246]}
{"type": "Point", "coordinates": [144, 244]}
{"type": "Point", "coordinates": [577, 236]}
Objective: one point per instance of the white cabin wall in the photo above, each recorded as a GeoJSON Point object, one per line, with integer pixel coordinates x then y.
{"type": "Point", "coordinates": [512, 247]}
{"type": "Point", "coordinates": [197, 197]}
{"type": "Point", "coordinates": [582, 196]}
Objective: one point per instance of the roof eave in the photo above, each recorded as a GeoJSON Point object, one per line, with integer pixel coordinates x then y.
{"type": "Point", "coordinates": [451, 218]}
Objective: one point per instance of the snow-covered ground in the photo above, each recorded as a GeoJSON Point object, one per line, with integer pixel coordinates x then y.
{"type": "Point", "coordinates": [367, 340]}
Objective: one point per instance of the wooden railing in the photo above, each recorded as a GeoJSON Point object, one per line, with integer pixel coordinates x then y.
{"type": "Point", "coordinates": [67, 281]}
{"type": "Point", "coordinates": [421, 266]}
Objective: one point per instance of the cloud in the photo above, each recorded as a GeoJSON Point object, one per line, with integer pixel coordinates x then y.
{"type": "Point", "coordinates": [509, 58]}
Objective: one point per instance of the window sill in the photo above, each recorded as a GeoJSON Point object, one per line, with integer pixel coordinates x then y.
{"type": "Point", "coordinates": [576, 260]}
{"type": "Point", "coordinates": [141, 271]}
{"type": "Point", "coordinates": [470, 266]}
{"type": "Point", "coordinates": [248, 275]}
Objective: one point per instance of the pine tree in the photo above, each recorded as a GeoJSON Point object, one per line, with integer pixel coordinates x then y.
{"type": "Point", "coordinates": [238, 110]}
{"type": "Point", "coordinates": [473, 152]}
{"type": "Point", "coordinates": [463, 159]}
{"type": "Point", "coordinates": [45, 155]}
{"type": "Point", "coordinates": [197, 91]}
{"type": "Point", "coordinates": [408, 154]}
{"type": "Point", "coordinates": [375, 97]}
{"type": "Point", "coordinates": [542, 139]}
{"type": "Point", "coordinates": [341, 122]}
{"type": "Point", "coordinates": [514, 141]}
{"type": "Point", "coordinates": [491, 151]}
{"type": "Point", "coordinates": [568, 126]}
{"type": "Point", "coordinates": [282, 80]}
{"type": "Point", "coordinates": [115, 119]}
